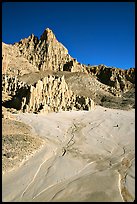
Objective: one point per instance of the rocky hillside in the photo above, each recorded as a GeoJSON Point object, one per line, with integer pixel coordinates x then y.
{"type": "Point", "coordinates": [120, 79]}
{"type": "Point", "coordinates": [40, 75]}
{"type": "Point", "coordinates": [47, 53]}
{"type": "Point", "coordinates": [13, 63]}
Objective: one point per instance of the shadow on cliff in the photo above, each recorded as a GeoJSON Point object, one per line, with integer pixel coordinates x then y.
{"type": "Point", "coordinates": [16, 101]}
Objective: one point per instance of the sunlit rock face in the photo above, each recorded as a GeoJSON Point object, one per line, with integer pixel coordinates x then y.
{"type": "Point", "coordinates": [32, 56]}
{"type": "Point", "coordinates": [49, 94]}
{"type": "Point", "coordinates": [47, 53]}
{"type": "Point", "coordinates": [119, 79]}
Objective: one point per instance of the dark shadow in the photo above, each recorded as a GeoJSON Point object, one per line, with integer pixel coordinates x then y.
{"type": "Point", "coordinates": [16, 100]}
{"type": "Point", "coordinates": [68, 66]}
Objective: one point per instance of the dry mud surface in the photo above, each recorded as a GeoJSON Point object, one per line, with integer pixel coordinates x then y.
{"type": "Point", "coordinates": [86, 156]}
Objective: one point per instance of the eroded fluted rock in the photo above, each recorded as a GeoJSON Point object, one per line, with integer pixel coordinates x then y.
{"type": "Point", "coordinates": [11, 85]}
{"type": "Point", "coordinates": [14, 63]}
{"type": "Point", "coordinates": [32, 57]}
{"type": "Point", "coordinates": [119, 80]}
{"type": "Point", "coordinates": [49, 94]}
{"type": "Point", "coordinates": [47, 53]}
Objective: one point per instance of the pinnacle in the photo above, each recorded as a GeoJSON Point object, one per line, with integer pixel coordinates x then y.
{"type": "Point", "coordinates": [47, 34]}
{"type": "Point", "coordinates": [48, 30]}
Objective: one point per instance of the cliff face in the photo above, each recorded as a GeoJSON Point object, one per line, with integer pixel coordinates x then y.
{"type": "Point", "coordinates": [49, 94]}
{"type": "Point", "coordinates": [47, 53]}
{"type": "Point", "coordinates": [118, 79]}
{"type": "Point", "coordinates": [13, 63]}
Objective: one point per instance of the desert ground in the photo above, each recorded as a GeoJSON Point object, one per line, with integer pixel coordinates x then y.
{"type": "Point", "coordinates": [84, 156]}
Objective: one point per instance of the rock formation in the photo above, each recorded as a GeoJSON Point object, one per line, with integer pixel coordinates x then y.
{"type": "Point", "coordinates": [13, 63]}
{"type": "Point", "coordinates": [47, 53]}
{"type": "Point", "coordinates": [49, 94]}
{"type": "Point", "coordinates": [71, 85]}
{"type": "Point", "coordinates": [119, 80]}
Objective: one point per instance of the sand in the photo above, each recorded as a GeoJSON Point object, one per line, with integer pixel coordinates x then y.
{"type": "Point", "coordinates": [87, 156]}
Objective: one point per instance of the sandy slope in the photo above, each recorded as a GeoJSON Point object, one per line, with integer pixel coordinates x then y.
{"type": "Point", "coordinates": [87, 156]}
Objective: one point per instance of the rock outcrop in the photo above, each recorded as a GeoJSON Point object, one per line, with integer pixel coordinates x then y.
{"type": "Point", "coordinates": [47, 53]}
{"type": "Point", "coordinates": [119, 80]}
{"type": "Point", "coordinates": [33, 59]}
{"type": "Point", "coordinates": [13, 63]}
{"type": "Point", "coordinates": [11, 85]}
{"type": "Point", "coordinates": [49, 94]}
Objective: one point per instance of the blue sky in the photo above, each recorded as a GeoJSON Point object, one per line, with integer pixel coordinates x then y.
{"type": "Point", "coordinates": [93, 32]}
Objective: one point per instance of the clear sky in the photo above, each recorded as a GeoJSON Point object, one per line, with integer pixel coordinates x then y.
{"type": "Point", "coordinates": [93, 32]}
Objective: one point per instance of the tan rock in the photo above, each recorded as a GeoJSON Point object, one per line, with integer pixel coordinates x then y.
{"type": "Point", "coordinates": [45, 96]}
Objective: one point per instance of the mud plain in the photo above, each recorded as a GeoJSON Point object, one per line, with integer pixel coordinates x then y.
{"type": "Point", "coordinates": [85, 156]}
